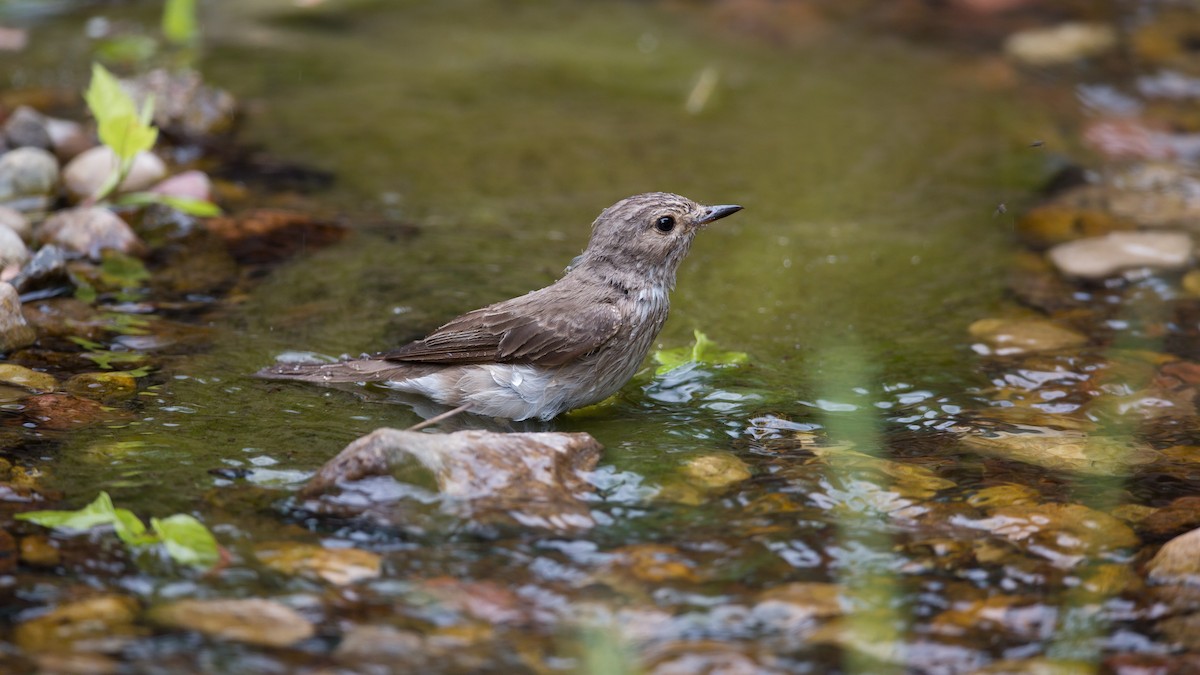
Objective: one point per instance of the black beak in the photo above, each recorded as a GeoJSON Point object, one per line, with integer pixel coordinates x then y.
{"type": "Point", "coordinates": [712, 213]}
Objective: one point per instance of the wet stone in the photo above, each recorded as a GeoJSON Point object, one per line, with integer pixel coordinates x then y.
{"type": "Point", "coordinates": [1178, 561]}
{"type": "Point", "coordinates": [28, 177]}
{"type": "Point", "coordinates": [1046, 226]}
{"type": "Point", "coordinates": [256, 621]}
{"type": "Point", "coordinates": [1101, 257]}
{"type": "Point", "coordinates": [103, 623]}
{"type": "Point", "coordinates": [103, 386]}
{"type": "Point", "coordinates": [1064, 534]}
{"type": "Point", "coordinates": [532, 478]}
{"type": "Point", "coordinates": [1183, 631]}
{"type": "Point", "coordinates": [715, 471]}
{"type": "Point", "coordinates": [90, 170]}
{"type": "Point", "coordinates": [1155, 194]}
{"type": "Point", "coordinates": [14, 331]}
{"type": "Point", "coordinates": [1061, 44]}
{"type": "Point", "coordinates": [65, 317]}
{"type": "Point", "coordinates": [1061, 449]}
{"type": "Point", "coordinates": [61, 412]}
{"type": "Point", "coordinates": [189, 185]}
{"type": "Point", "coordinates": [89, 231]}
{"type": "Point", "coordinates": [1006, 337]}
{"type": "Point", "coordinates": [338, 566]}
{"type": "Point", "coordinates": [271, 235]}
{"type": "Point", "coordinates": [38, 551]}
{"type": "Point", "coordinates": [29, 379]}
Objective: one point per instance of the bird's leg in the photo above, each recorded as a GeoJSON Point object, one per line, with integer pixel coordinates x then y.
{"type": "Point", "coordinates": [437, 418]}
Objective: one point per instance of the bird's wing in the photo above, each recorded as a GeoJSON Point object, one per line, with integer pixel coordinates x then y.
{"type": "Point", "coordinates": [523, 330]}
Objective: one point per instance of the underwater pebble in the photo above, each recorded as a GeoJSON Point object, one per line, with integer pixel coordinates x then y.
{"type": "Point", "coordinates": [338, 566]}
{"type": "Point", "coordinates": [1005, 337]}
{"type": "Point", "coordinates": [68, 137]}
{"type": "Point", "coordinates": [254, 620]}
{"type": "Point", "coordinates": [88, 231]}
{"type": "Point", "coordinates": [1045, 226]}
{"type": "Point", "coordinates": [1060, 44]}
{"type": "Point", "coordinates": [103, 623]}
{"type": "Point", "coordinates": [87, 172]}
{"type": "Point", "coordinates": [62, 411]}
{"type": "Point", "coordinates": [1154, 194]}
{"type": "Point", "coordinates": [28, 177]}
{"type": "Point", "coordinates": [14, 331]}
{"type": "Point", "coordinates": [104, 386]}
{"type": "Point", "coordinates": [1100, 257]}
{"type": "Point", "coordinates": [715, 471]}
{"type": "Point", "coordinates": [26, 378]}
{"type": "Point", "coordinates": [1178, 561]}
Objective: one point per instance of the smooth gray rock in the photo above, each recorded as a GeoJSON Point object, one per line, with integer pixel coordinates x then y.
{"type": "Point", "coordinates": [28, 178]}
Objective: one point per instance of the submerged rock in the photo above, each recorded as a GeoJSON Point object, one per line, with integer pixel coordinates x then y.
{"type": "Point", "coordinates": [90, 170]}
{"type": "Point", "coordinates": [715, 471]}
{"type": "Point", "coordinates": [532, 478]}
{"type": "Point", "coordinates": [1101, 257]}
{"type": "Point", "coordinates": [1061, 44]}
{"type": "Point", "coordinates": [28, 178]}
{"type": "Point", "coordinates": [103, 623]}
{"type": "Point", "coordinates": [1178, 561]}
{"type": "Point", "coordinates": [338, 566]}
{"type": "Point", "coordinates": [88, 231]}
{"type": "Point", "coordinates": [271, 235]}
{"type": "Point", "coordinates": [1061, 450]}
{"type": "Point", "coordinates": [189, 185]}
{"type": "Point", "coordinates": [254, 620]}
{"type": "Point", "coordinates": [103, 386]}
{"type": "Point", "coordinates": [1006, 337]}
{"type": "Point", "coordinates": [14, 332]}
{"type": "Point", "coordinates": [1052, 224]}
{"type": "Point", "coordinates": [26, 378]}
{"type": "Point", "coordinates": [1064, 534]}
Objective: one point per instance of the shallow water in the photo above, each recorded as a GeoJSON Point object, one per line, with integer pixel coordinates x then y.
{"type": "Point", "coordinates": [870, 169]}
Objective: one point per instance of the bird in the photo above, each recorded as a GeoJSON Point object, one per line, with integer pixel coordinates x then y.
{"type": "Point", "coordinates": [565, 346]}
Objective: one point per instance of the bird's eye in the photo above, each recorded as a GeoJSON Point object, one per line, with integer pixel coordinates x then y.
{"type": "Point", "coordinates": [665, 224]}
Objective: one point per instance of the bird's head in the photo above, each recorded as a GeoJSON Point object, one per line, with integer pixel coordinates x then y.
{"type": "Point", "coordinates": [649, 234]}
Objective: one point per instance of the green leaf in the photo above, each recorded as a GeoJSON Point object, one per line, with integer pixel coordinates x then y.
{"type": "Point", "coordinates": [105, 98]}
{"type": "Point", "coordinates": [179, 21]}
{"type": "Point", "coordinates": [702, 351]}
{"type": "Point", "coordinates": [192, 207]}
{"type": "Point", "coordinates": [85, 343]}
{"type": "Point", "coordinates": [127, 135]}
{"type": "Point", "coordinates": [100, 512]}
{"type": "Point", "coordinates": [122, 271]}
{"type": "Point", "coordinates": [187, 540]}
{"type": "Point", "coordinates": [105, 359]}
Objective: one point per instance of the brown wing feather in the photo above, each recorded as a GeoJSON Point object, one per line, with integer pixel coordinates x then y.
{"type": "Point", "coordinates": [521, 330]}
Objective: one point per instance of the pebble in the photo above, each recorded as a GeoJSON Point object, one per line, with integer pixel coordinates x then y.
{"type": "Point", "coordinates": [88, 231]}
{"type": "Point", "coordinates": [28, 177]}
{"type": "Point", "coordinates": [26, 378]}
{"type": "Point", "coordinates": [1061, 44]}
{"type": "Point", "coordinates": [1005, 337]}
{"type": "Point", "coordinates": [105, 386]}
{"type": "Point", "coordinates": [1101, 257]}
{"type": "Point", "coordinates": [26, 128]}
{"type": "Point", "coordinates": [14, 332]}
{"type": "Point", "coordinates": [1178, 561]}
{"type": "Point", "coordinates": [89, 170]}
{"type": "Point", "coordinates": [16, 221]}
{"type": "Point", "coordinates": [252, 620]}
{"type": "Point", "coordinates": [13, 252]}
{"type": "Point", "coordinates": [189, 184]}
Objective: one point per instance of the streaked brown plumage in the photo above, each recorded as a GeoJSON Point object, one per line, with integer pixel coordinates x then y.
{"type": "Point", "coordinates": [570, 344]}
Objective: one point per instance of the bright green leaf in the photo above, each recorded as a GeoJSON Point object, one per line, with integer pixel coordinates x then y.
{"type": "Point", "coordinates": [179, 21]}
{"type": "Point", "coordinates": [703, 351]}
{"type": "Point", "coordinates": [127, 135]}
{"type": "Point", "coordinates": [105, 97]}
{"type": "Point", "coordinates": [187, 540]}
{"type": "Point", "coordinates": [105, 360]}
{"type": "Point", "coordinates": [85, 343]}
{"type": "Point", "coordinates": [100, 512]}
{"type": "Point", "coordinates": [192, 207]}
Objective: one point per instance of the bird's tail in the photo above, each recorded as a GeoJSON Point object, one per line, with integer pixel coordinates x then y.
{"type": "Point", "coordinates": [358, 370]}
